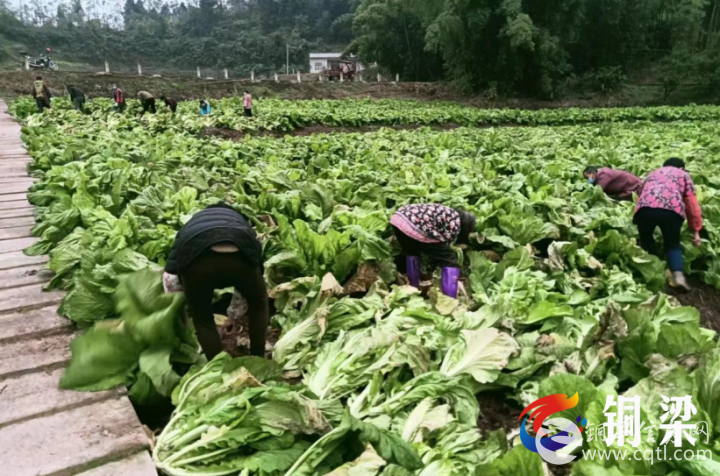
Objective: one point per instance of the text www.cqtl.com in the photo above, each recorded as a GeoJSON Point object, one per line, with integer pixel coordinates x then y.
{"type": "Point", "coordinates": [658, 454]}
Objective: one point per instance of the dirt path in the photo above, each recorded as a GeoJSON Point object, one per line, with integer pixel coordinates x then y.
{"type": "Point", "coordinates": [44, 430]}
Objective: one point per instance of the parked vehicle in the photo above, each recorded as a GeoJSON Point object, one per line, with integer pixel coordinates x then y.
{"type": "Point", "coordinates": [42, 62]}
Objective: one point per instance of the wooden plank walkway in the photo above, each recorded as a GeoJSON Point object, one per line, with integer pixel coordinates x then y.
{"type": "Point", "coordinates": [45, 431]}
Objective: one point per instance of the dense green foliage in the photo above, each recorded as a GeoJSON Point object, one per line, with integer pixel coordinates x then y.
{"type": "Point", "coordinates": [239, 35]}
{"type": "Point", "coordinates": [500, 46]}
{"type": "Point", "coordinates": [538, 47]}
{"type": "Point", "coordinates": [558, 299]}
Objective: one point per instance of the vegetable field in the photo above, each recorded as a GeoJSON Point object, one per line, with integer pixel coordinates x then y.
{"type": "Point", "coordinates": [370, 376]}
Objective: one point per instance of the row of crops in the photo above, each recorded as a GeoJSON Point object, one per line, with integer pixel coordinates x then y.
{"type": "Point", "coordinates": [370, 377]}
{"type": "Point", "coordinates": [281, 115]}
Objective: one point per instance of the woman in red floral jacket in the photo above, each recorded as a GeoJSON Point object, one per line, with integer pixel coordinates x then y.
{"type": "Point", "coordinates": [430, 229]}
{"type": "Point", "coordinates": [666, 200]}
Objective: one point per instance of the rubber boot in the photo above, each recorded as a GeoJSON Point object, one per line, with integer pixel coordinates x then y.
{"type": "Point", "coordinates": [679, 281]}
{"type": "Point", "coordinates": [450, 278]}
{"type": "Point", "coordinates": [413, 270]}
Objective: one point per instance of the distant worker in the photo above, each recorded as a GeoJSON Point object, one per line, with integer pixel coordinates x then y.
{"type": "Point", "coordinates": [617, 184]}
{"type": "Point", "coordinates": [119, 99]}
{"type": "Point", "coordinates": [247, 104]}
{"type": "Point", "coordinates": [430, 229]}
{"type": "Point", "coordinates": [204, 108]}
{"type": "Point", "coordinates": [667, 198]}
{"type": "Point", "coordinates": [77, 98]}
{"type": "Point", "coordinates": [216, 249]}
{"type": "Point", "coordinates": [170, 103]}
{"type": "Point", "coordinates": [41, 93]}
{"type": "Point", "coordinates": [148, 102]}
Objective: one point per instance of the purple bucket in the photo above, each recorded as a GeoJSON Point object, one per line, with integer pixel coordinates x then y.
{"type": "Point", "coordinates": [413, 270]}
{"type": "Point", "coordinates": [450, 278]}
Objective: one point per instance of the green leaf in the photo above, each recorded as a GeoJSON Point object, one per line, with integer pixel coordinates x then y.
{"type": "Point", "coordinates": [518, 462]}
{"type": "Point", "coordinates": [102, 358]}
{"type": "Point", "coordinates": [482, 354]}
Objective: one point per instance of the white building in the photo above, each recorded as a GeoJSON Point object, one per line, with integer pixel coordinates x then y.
{"type": "Point", "coordinates": [320, 62]}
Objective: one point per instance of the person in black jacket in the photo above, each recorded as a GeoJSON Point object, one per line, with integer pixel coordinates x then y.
{"type": "Point", "coordinates": [170, 103]}
{"type": "Point", "coordinates": [77, 98]}
{"type": "Point", "coordinates": [217, 249]}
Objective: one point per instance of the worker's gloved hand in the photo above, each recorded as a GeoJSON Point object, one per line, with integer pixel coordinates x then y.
{"type": "Point", "coordinates": [171, 283]}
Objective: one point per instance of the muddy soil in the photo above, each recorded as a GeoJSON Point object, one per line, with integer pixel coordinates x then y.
{"type": "Point", "coordinates": [236, 339]}
{"type": "Point", "coordinates": [236, 135]}
{"type": "Point", "coordinates": [705, 298]}
{"type": "Point", "coordinates": [496, 413]}
{"type": "Point", "coordinates": [15, 83]}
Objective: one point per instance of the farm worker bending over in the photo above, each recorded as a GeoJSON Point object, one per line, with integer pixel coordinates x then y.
{"type": "Point", "coordinates": [77, 98]}
{"type": "Point", "coordinates": [217, 249]}
{"type": "Point", "coordinates": [41, 93]}
{"type": "Point", "coordinates": [170, 103]}
{"type": "Point", "coordinates": [430, 229]}
{"type": "Point", "coordinates": [119, 99]}
{"type": "Point", "coordinates": [667, 198]}
{"type": "Point", "coordinates": [247, 104]}
{"type": "Point", "coordinates": [148, 102]}
{"type": "Point", "coordinates": [617, 184]}
{"type": "Point", "coordinates": [204, 107]}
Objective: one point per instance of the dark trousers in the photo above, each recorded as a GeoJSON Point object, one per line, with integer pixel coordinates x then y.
{"type": "Point", "coordinates": [120, 106]}
{"type": "Point", "coordinates": [439, 254]}
{"type": "Point", "coordinates": [210, 271]}
{"type": "Point", "coordinates": [670, 224]}
{"type": "Point", "coordinates": [248, 112]}
{"type": "Point", "coordinates": [79, 104]}
{"type": "Point", "coordinates": [148, 105]}
{"type": "Point", "coordinates": [42, 104]}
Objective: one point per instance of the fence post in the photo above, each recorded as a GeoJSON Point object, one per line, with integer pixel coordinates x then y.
{"type": "Point", "coordinates": [298, 77]}
{"type": "Point", "coordinates": [107, 68]}
{"type": "Point", "coordinates": [276, 78]}
{"type": "Point", "coordinates": [139, 70]}
{"type": "Point", "coordinates": [379, 78]}
{"type": "Point", "coordinates": [397, 77]}
{"type": "Point", "coordinates": [342, 77]}
{"type": "Point", "coordinates": [252, 75]}
{"type": "Point", "coordinates": [226, 73]}
{"type": "Point", "coordinates": [27, 64]}
{"type": "Point", "coordinates": [198, 72]}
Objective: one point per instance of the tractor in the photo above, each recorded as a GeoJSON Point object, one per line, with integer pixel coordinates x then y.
{"type": "Point", "coordinates": [346, 68]}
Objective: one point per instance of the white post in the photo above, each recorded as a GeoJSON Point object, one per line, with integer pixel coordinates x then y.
{"type": "Point", "coordinates": [27, 64]}
{"type": "Point", "coordinates": [298, 77]}
{"type": "Point", "coordinates": [107, 68]}
{"type": "Point", "coordinates": [342, 77]}
{"type": "Point", "coordinates": [276, 78]}
{"type": "Point", "coordinates": [360, 78]}
{"type": "Point", "coordinates": [397, 77]}
{"type": "Point", "coordinates": [139, 70]}
{"type": "Point", "coordinates": [379, 78]}
{"type": "Point", "coordinates": [287, 58]}
{"type": "Point", "coordinates": [252, 76]}
{"type": "Point", "coordinates": [198, 71]}
{"type": "Point", "coordinates": [226, 74]}
{"type": "Point", "coordinates": [320, 77]}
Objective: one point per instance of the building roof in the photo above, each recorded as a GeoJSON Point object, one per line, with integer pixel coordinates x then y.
{"type": "Point", "coordinates": [325, 55]}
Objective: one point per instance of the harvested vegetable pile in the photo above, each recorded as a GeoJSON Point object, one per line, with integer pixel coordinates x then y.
{"type": "Point", "coordinates": [558, 298]}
